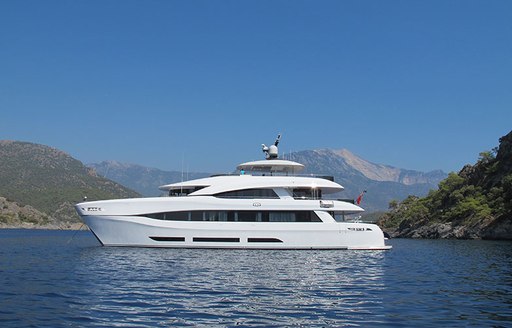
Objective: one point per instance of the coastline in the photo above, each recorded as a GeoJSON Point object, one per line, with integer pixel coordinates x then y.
{"type": "Point", "coordinates": [31, 226]}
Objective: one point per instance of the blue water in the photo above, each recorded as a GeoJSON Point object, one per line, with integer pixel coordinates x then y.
{"type": "Point", "coordinates": [65, 279]}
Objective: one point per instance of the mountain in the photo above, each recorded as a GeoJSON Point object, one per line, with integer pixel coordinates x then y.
{"type": "Point", "coordinates": [39, 185]}
{"type": "Point", "coordinates": [383, 183]}
{"type": "Point", "coordinates": [144, 180]}
{"type": "Point", "coordinates": [474, 203]}
{"type": "Point", "coordinates": [379, 172]}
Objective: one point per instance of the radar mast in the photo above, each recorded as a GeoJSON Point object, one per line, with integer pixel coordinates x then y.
{"type": "Point", "coordinates": [272, 164]}
{"type": "Point", "coordinates": [272, 151]}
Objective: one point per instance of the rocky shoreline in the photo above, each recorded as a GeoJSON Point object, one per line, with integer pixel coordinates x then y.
{"type": "Point", "coordinates": [16, 216]}
{"type": "Point", "coordinates": [492, 230]}
{"type": "Point", "coordinates": [31, 226]}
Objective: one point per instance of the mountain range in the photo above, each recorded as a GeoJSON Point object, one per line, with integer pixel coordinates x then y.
{"type": "Point", "coordinates": [39, 184]}
{"type": "Point", "coordinates": [383, 183]}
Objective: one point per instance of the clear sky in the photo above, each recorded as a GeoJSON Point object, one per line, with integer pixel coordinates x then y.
{"type": "Point", "coordinates": [202, 84]}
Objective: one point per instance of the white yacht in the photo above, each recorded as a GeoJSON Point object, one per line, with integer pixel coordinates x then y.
{"type": "Point", "coordinates": [266, 205]}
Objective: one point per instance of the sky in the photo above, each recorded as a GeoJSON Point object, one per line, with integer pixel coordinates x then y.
{"type": "Point", "coordinates": [200, 85]}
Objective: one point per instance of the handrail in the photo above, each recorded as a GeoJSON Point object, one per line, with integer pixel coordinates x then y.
{"type": "Point", "coordinates": [312, 175]}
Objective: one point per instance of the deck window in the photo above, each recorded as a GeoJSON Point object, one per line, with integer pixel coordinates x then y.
{"type": "Point", "coordinates": [248, 216]}
{"type": "Point", "coordinates": [237, 216]}
{"type": "Point", "coordinates": [282, 217]}
{"type": "Point", "coordinates": [184, 191]}
{"type": "Point", "coordinates": [248, 193]}
{"type": "Point", "coordinates": [307, 193]}
{"type": "Point", "coordinates": [219, 216]}
{"type": "Point", "coordinates": [197, 216]}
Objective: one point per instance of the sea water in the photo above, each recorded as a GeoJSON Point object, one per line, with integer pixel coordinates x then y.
{"type": "Point", "coordinates": [66, 279]}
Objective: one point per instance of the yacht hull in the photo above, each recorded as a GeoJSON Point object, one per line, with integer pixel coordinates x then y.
{"type": "Point", "coordinates": [146, 232]}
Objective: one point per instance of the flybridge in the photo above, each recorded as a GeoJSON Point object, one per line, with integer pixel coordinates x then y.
{"type": "Point", "coordinates": [271, 166]}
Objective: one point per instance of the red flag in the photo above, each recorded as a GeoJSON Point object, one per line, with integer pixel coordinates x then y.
{"type": "Point", "coordinates": [360, 198]}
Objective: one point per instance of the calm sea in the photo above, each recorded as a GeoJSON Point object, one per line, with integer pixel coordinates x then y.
{"type": "Point", "coordinates": [65, 279]}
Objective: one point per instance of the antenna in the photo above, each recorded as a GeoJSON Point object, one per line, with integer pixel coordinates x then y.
{"type": "Point", "coordinates": [182, 165]}
{"type": "Point", "coordinates": [277, 140]}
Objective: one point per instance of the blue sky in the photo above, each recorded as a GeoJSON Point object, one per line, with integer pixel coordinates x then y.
{"type": "Point", "coordinates": [416, 84]}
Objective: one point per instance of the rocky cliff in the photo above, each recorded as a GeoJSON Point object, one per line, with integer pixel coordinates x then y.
{"type": "Point", "coordinates": [475, 203]}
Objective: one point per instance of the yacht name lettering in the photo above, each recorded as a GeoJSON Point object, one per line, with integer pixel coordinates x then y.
{"type": "Point", "coordinates": [357, 229]}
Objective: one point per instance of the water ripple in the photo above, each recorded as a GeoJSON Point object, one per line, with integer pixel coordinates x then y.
{"type": "Point", "coordinates": [47, 281]}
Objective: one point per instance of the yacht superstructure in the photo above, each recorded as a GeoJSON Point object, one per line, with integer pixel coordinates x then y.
{"type": "Point", "coordinates": [265, 205]}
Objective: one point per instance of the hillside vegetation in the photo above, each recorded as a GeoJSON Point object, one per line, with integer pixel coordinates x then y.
{"type": "Point", "coordinates": [50, 181]}
{"type": "Point", "coordinates": [475, 203]}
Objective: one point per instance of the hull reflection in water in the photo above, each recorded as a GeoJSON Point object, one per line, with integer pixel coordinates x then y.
{"type": "Point", "coordinates": [237, 287]}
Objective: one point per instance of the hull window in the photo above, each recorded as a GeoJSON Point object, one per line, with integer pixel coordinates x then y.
{"type": "Point", "coordinates": [264, 240]}
{"type": "Point", "coordinates": [216, 239]}
{"type": "Point", "coordinates": [168, 238]}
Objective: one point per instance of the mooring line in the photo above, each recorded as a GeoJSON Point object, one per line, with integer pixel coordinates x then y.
{"type": "Point", "coordinates": [70, 239]}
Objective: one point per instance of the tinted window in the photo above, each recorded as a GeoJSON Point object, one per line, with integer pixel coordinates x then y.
{"type": "Point", "coordinates": [248, 193]}
{"type": "Point", "coordinates": [237, 216]}
{"type": "Point", "coordinates": [307, 193]}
